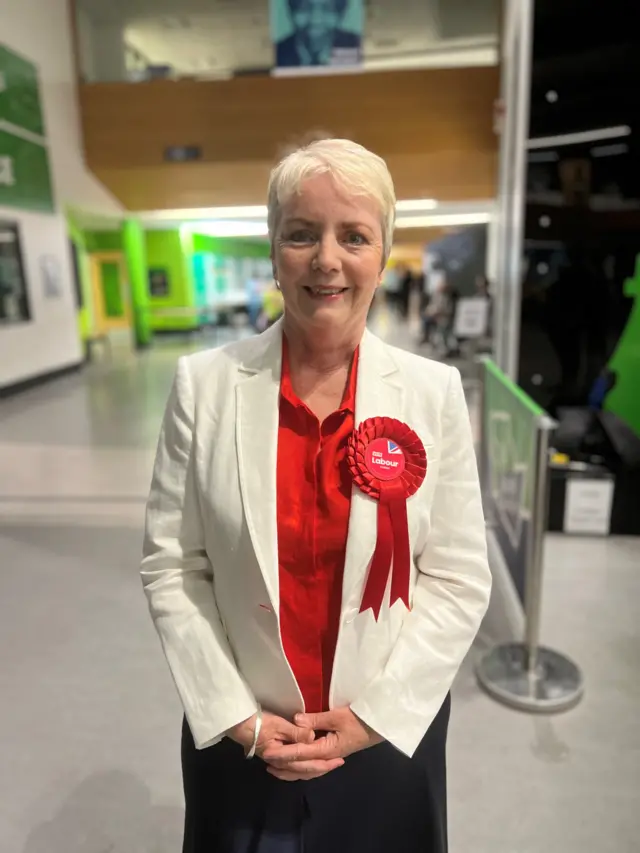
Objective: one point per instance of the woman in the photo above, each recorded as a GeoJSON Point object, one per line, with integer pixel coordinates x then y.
{"type": "Point", "coordinates": [315, 556]}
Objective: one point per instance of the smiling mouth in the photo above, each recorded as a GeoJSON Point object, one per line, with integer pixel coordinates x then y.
{"type": "Point", "coordinates": [325, 292]}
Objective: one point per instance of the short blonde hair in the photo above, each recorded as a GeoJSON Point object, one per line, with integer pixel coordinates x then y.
{"type": "Point", "coordinates": [352, 166]}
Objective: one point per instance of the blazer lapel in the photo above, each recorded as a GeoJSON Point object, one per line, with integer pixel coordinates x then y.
{"type": "Point", "coordinates": [378, 394]}
{"type": "Point", "coordinates": [257, 419]}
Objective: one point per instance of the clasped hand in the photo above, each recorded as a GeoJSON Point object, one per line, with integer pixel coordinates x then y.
{"type": "Point", "coordinates": [293, 752]}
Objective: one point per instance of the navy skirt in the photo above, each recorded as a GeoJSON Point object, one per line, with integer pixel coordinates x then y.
{"type": "Point", "coordinates": [379, 802]}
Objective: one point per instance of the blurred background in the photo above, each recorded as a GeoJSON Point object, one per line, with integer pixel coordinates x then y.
{"type": "Point", "coordinates": [136, 140]}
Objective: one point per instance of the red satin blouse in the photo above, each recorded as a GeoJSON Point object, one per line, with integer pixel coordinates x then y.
{"type": "Point", "coordinates": [313, 503]}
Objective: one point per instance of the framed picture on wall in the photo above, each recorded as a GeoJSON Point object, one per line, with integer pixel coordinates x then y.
{"type": "Point", "coordinates": [51, 272]}
{"type": "Point", "coordinates": [14, 297]}
{"type": "Point", "coordinates": [158, 282]}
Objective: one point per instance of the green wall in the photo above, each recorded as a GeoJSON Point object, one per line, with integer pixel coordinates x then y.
{"type": "Point", "coordinates": [135, 251]}
{"type": "Point", "coordinates": [105, 241]}
{"type": "Point", "coordinates": [85, 314]}
{"type": "Point", "coordinates": [112, 291]}
{"type": "Point", "coordinates": [172, 251]}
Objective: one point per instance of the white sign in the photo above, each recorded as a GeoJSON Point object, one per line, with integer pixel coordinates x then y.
{"type": "Point", "coordinates": [588, 505]}
{"type": "Point", "coordinates": [472, 315]}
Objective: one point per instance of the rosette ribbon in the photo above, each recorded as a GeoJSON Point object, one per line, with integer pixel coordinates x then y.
{"type": "Point", "coordinates": [388, 462]}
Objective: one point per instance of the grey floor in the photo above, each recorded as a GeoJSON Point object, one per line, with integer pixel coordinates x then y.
{"type": "Point", "coordinates": [89, 722]}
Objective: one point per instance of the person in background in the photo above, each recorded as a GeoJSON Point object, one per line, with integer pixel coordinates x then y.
{"type": "Point", "coordinates": [313, 630]}
{"type": "Point", "coordinates": [439, 315]}
{"type": "Point", "coordinates": [272, 307]}
{"type": "Point", "coordinates": [392, 280]}
{"type": "Point", "coordinates": [482, 286]}
{"type": "Point", "coordinates": [404, 294]}
{"type": "Point", "coordinates": [483, 290]}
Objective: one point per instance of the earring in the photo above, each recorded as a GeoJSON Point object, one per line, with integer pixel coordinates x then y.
{"type": "Point", "coordinates": [277, 284]}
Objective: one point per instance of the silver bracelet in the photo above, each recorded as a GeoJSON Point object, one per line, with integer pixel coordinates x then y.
{"type": "Point", "coordinates": [256, 735]}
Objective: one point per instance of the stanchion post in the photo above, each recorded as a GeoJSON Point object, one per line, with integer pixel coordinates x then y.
{"type": "Point", "coordinates": [535, 561]}
{"type": "Point", "coordinates": [526, 675]}
{"type": "Point", "coordinates": [483, 471]}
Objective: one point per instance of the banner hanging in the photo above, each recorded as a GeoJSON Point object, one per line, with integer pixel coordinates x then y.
{"type": "Point", "coordinates": [315, 36]}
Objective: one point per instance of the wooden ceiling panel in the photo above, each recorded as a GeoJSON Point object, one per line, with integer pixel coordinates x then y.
{"type": "Point", "coordinates": [446, 176]}
{"type": "Point", "coordinates": [434, 128]}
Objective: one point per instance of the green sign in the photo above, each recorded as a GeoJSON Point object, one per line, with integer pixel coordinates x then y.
{"type": "Point", "coordinates": [25, 181]}
{"type": "Point", "coordinates": [19, 93]}
{"type": "Point", "coordinates": [624, 400]}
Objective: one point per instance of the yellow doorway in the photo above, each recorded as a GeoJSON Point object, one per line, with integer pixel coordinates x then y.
{"type": "Point", "coordinates": [111, 296]}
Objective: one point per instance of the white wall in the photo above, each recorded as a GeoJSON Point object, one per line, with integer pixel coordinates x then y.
{"type": "Point", "coordinates": [40, 30]}
{"type": "Point", "coordinates": [51, 340]}
{"type": "Point", "coordinates": [109, 63]}
{"type": "Point", "coordinates": [85, 44]}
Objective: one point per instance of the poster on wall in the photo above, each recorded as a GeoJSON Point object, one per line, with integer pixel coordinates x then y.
{"type": "Point", "coordinates": [51, 276]}
{"type": "Point", "coordinates": [315, 36]}
{"type": "Point", "coordinates": [471, 317]}
{"type": "Point", "coordinates": [158, 282]}
{"type": "Point", "coordinates": [14, 301]}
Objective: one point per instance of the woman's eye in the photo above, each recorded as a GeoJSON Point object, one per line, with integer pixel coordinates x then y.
{"type": "Point", "coordinates": [301, 236]}
{"type": "Point", "coordinates": [355, 239]}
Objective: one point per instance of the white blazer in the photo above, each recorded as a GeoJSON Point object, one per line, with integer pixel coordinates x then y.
{"type": "Point", "coordinates": [210, 568]}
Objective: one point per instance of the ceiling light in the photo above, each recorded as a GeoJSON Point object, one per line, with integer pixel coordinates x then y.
{"type": "Point", "coordinates": [595, 135]}
{"type": "Point", "coordinates": [240, 212]}
{"type": "Point", "coordinates": [416, 204]}
{"type": "Point", "coordinates": [443, 220]}
{"type": "Point", "coordinates": [205, 213]}
{"type": "Point", "coordinates": [222, 228]}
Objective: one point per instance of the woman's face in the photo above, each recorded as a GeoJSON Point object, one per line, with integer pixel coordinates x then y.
{"type": "Point", "coordinates": [327, 256]}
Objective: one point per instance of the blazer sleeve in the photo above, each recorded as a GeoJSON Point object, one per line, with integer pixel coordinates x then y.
{"type": "Point", "coordinates": [450, 598]}
{"type": "Point", "coordinates": [178, 582]}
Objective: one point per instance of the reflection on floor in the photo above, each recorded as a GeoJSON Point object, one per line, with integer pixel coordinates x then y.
{"type": "Point", "coordinates": [89, 718]}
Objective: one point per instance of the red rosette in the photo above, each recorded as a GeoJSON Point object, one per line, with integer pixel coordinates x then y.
{"type": "Point", "coordinates": [388, 462]}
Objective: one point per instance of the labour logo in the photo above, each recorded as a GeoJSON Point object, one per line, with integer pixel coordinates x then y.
{"type": "Point", "coordinates": [384, 459]}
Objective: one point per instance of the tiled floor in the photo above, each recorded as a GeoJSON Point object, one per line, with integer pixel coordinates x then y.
{"type": "Point", "coordinates": [89, 722]}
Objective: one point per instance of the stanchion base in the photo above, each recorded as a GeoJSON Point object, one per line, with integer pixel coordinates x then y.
{"type": "Point", "coordinates": [555, 685]}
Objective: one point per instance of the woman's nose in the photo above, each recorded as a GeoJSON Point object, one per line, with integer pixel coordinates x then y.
{"type": "Point", "coordinates": [328, 258]}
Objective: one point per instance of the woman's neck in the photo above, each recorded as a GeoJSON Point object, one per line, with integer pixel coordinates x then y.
{"type": "Point", "coordinates": [319, 352]}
